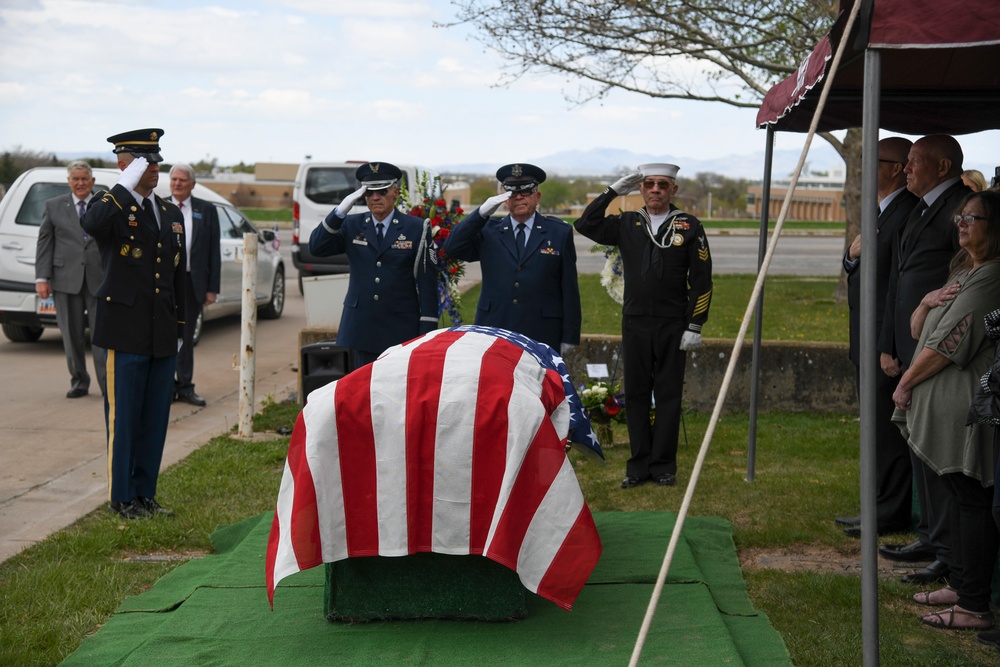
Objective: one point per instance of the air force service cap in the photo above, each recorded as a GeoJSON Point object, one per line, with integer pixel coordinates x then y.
{"type": "Point", "coordinates": [378, 175]}
{"type": "Point", "coordinates": [659, 169]}
{"type": "Point", "coordinates": [520, 177]}
{"type": "Point", "coordinates": [145, 143]}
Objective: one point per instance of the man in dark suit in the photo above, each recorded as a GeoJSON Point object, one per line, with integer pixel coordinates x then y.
{"type": "Point", "coordinates": [528, 262]}
{"type": "Point", "coordinates": [204, 274]}
{"type": "Point", "coordinates": [668, 289]}
{"type": "Point", "coordinates": [892, 455]}
{"type": "Point", "coordinates": [923, 248]}
{"type": "Point", "coordinates": [68, 268]}
{"type": "Point", "coordinates": [392, 294]}
{"type": "Point", "coordinates": [140, 318]}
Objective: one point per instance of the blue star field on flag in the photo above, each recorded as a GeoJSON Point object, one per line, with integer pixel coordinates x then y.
{"type": "Point", "coordinates": [581, 433]}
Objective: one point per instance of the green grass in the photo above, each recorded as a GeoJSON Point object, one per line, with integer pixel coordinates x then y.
{"type": "Point", "coordinates": [58, 592]}
{"type": "Point", "coordinates": [804, 308]}
{"type": "Point", "coordinates": [268, 214]}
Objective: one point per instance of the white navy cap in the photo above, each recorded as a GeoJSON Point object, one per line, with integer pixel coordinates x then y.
{"type": "Point", "coordinates": [659, 169]}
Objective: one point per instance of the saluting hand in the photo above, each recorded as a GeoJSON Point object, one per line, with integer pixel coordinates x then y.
{"type": "Point", "coordinates": [626, 184]}
{"type": "Point", "coordinates": [132, 174]}
{"type": "Point", "coordinates": [490, 206]}
{"type": "Point", "coordinates": [348, 202]}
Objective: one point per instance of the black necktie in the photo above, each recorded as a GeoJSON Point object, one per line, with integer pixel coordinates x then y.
{"type": "Point", "coordinates": [378, 232]}
{"type": "Point", "coordinates": [147, 206]}
{"type": "Point", "coordinates": [81, 210]}
{"type": "Point", "coordinates": [519, 239]}
{"type": "Point", "coordinates": [911, 222]}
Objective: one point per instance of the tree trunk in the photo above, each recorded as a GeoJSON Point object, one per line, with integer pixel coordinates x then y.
{"type": "Point", "coordinates": [852, 200]}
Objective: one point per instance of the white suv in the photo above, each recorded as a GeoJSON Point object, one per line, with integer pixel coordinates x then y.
{"type": "Point", "coordinates": [319, 187]}
{"type": "Point", "coordinates": [23, 315]}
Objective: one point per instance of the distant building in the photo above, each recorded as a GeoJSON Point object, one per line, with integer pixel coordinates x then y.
{"type": "Point", "coordinates": [270, 186]}
{"type": "Point", "coordinates": [816, 198]}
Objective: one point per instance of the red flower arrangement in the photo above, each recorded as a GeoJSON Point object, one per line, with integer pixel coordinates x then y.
{"type": "Point", "coordinates": [441, 219]}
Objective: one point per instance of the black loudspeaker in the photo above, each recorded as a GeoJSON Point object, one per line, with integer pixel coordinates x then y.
{"type": "Point", "coordinates": [322, 363]}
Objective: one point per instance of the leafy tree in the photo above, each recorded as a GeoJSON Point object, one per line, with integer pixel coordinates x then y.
{"type": "Point", "coordinates": [730, 52]}
{"type": "Point", "coordinates": [16, 161]}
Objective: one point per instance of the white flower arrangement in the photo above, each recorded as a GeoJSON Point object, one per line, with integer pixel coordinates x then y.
{"type": "Point", "coordinates": [612, 275]}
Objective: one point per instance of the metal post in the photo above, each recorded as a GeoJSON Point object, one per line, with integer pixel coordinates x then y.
{"type": "Point", "coordinates": [248, 336]}
{"type": "Point", "coordinates": [868, 358]}
{"type": "Point", "coordinates": [758, 322]}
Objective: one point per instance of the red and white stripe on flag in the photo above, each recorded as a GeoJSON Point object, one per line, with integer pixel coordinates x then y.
{"type": "Point", "coordinates": [452, 443]}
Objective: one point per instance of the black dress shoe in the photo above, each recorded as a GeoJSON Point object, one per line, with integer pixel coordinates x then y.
{"type": "Point", "coordinates": [847, 521]}
{"type": "Point", "coordinates": [629, 482]}
{"type": "Point", "coordinates": [190, 397]}
{"type": "Point", "coordinates": [666, 480]}
{"type": "Point", "coordinates": [914, 552]}
{"type": "Point", "coordinates": [855, 531]}
{"type": "Point", "coordinates": [933, 573]}
{"type": "Point", "coordinates": [130, 509]}
{"type": "Point", "coordinates": [76, 392]}
{"type": "Point", "coordinates": [152, 507]}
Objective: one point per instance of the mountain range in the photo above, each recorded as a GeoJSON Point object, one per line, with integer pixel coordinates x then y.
{"type": "Point", "coordinates": [597, 162]}
{"type": "Point", "coordinates": [603, 162]}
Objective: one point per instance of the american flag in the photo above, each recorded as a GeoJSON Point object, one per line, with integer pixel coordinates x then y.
{"type": "Point", "coordinates": [451, 443]}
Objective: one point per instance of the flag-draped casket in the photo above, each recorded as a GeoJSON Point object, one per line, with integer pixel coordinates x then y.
{"type": "Point", "coordinates": [452, 443]}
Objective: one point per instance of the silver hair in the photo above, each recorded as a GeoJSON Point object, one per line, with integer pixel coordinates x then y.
{"type": "Point", "coordinates": [183, 166]}
{"type": "Point", "coordinates": [79, 164]}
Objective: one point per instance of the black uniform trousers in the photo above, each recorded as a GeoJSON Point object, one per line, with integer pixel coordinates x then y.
{"type": "Point", "coordinates": [136, 412]}
{"type": "Point", "coordinates": [185, 358]}
{"type": "Point", "coordinates": [654, 367]}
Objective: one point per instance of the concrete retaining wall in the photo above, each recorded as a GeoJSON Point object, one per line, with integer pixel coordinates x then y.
{"type": "Point", "coordinates": [795, 377]}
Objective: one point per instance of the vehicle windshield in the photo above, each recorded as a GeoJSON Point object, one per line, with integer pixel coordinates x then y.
{"type": "Point", "coordinates": [33, 206]}
{"type": "Point", "coordinates": [329, 185]}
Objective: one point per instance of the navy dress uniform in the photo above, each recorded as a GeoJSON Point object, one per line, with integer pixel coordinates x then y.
{"type": "Point", "coordinates": [140, 315]}
{"type": "Point", "coordinates": [668, 290]}
{"type": "Point", "coordinates": [392, 293]}
{"type": "Point", "coordinates": [531, 288]}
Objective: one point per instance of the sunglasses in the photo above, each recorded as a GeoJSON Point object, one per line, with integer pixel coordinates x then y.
{"type": "Point", "coordinates": [663, 185]}
{"type": "Point", "coordinates": [372, 193]}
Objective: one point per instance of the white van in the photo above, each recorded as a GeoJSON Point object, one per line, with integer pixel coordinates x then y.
{"type": "Point", "coordinates": [319, 187]}
{"type": "Point", "coordinates": [23, 315]}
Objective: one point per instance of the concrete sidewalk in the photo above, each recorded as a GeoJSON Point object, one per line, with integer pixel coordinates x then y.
{"type": "Point", "coordinates": [53, 462]}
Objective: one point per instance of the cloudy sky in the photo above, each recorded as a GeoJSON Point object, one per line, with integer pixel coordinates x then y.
{"type": "Point", "coordinates": [276, 80]}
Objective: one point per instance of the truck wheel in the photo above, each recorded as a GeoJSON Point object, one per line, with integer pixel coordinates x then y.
{"type": "Point", "coordinates": [19, 333]}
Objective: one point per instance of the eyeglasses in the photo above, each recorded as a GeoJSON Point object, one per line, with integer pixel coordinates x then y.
{"type": "Point", "coordinates": [663, 185]}
{"type": "Point", "coordinates": [967, 219]}
{"type": "Point", "coordinates": [372, 193]}
{"type": "Point", "coordinates": [514, 194]}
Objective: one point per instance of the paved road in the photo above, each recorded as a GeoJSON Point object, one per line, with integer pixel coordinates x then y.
{"type": "Point", "coordinates": [53, 466]}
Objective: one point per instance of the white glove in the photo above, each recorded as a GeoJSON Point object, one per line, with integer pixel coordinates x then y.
{"type": "Point", "coordinates": [132, 174]}
{"type": "Point", "coordinates": [564, 348]}
{"type": "Point", "coordinates": [690, 341]}
{"type": "Point", "coordinates": [348, 202]}
{"type": "Point", "coordinates": [626, 184]}
{"type": "Point", "coordinates": [490, 206]}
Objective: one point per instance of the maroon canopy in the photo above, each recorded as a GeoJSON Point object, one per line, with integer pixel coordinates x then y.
{"type": "Point", "coordinates": [940, 70]}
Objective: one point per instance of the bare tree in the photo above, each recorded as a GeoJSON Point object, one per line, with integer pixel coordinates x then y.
{"type": "Point", "coordinates": [730, 52]}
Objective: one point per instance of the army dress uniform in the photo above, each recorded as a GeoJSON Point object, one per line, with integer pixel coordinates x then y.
{"type": "Point", "coordinates": [668, 290]}
{"type": "Point", "coordinates": [140, 317]}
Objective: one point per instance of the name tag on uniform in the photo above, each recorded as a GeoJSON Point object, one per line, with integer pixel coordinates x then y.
{"type": "Point", "coordinates": [359, 242]}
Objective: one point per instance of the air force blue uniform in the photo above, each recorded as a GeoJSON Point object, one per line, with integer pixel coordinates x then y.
{"type": "Point", "coordinates": [392, 294]}
{"type": "Point", "coordinates": [533, 292]}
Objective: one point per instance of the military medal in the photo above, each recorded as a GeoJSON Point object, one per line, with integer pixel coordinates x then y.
{"type": "Point", "coordinates": [136, 253]}
{"type": "Point", "coordinates": [677, 240]}
{"type": "Point", "coordinates": [177, 260]}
